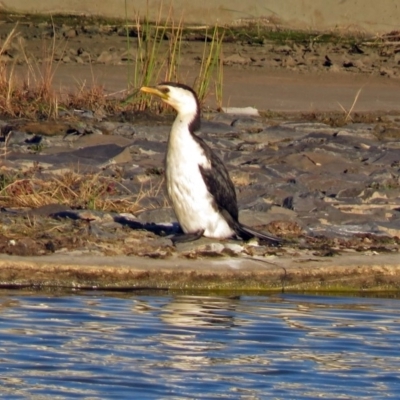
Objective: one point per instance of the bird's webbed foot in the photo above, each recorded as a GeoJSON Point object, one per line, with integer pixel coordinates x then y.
{"type": "Point", "coordinates": [187, 237]}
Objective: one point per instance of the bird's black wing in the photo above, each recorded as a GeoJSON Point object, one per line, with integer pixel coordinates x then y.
{"type": "Point", "coordinates": [221, 187]}
{"type": "Point", "coordinates": [218, 182]}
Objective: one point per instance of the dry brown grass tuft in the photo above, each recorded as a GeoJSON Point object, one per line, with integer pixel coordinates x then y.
{"type": "Point", "coordinates": [76, 190]}
{"type": "Point", "coordinates": [33, 94]}
{"type": "Point", "coordinates": [348, 112]}
{"type": "Point", "coordinates": [90, 97]}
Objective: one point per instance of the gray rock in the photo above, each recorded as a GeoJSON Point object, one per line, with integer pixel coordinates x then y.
{"type": "Point", "coordinates": [70, 33]}
{"type": "Point", "coordinates": [48, 210]}
{"type": "Point", "coordinates": [218, 128]}
{"type": "Point", "coordinates": [310, 127]}
{"type": "Point", "coordinates": [150, 147]}
{"type": "Point", "coordinates": [105, 57]}
{"type": "Point", "coordinates": [84, 114]}
{"type": "Point", "coordinates": [92, 156]}
{"type": "Point", "coordinates": [239, 111]}
{"type": "Point", "coordinates": [99, 139]}
{"type": "Point", "coordinates": [126, 130]}
{"type": "Point", "coordinates": [387, 157]}
{"type": "Point", "coordinates": [157, 215]}
{"type": "Point", "coordinates": [220, 117]}
{"type": "Point", "coordinates": [156, 133]}
{"type": "Point", "coordinates": [248, 124]}
{"type": "Point", "coordinates": [254, 218]}
{"type": "Point", "coordinates": [129, 55]}
{"type": "Point", "coordinates": [85, 56]}
{"type": "Point", "coordinates": [19, 138]}
{"type": "Point", "coordinates": [345, 230]}
{"type": "Point", "coordinates": [203, 246]}
{"type": "Point", "coordinates": [279, 133]}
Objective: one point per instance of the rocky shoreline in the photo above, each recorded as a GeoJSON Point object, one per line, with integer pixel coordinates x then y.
{"type": "Point", "coordinates": [331, 192]}
{"type": "Point", "coordinates": [82, 198]}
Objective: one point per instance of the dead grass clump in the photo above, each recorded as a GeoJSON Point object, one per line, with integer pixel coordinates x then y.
{"type": "Point", "coordinates": [242, 179]}
{"type": "Point", "coordinates": [89, 97]}
{"type": "Point", "coordinates": [26, 101]}
{"type": "Point", "coordinates": [33, 94]}
{"type": "Point", "coordinates": [78, 191]}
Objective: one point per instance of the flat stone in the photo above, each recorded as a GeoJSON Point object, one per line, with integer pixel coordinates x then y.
{"type": "Point", "coordinates": [346, 230]}
{"type": "Point", "coordinates": [279, 133]}
{"type": "Point", "coordinates": [105, 57]}
{"type": "Point", "coordinates": [92, 156]}
{"type": "Point", "coordinates": [218, 128]}
{"type": "Point", "coordinates": [251, 111]}
{"type": "Point", "coordinates": [120, 129]}
{"type": "Point", "coordinates": [157, 215]}
{"type": "Point", "coordinates": [310, 127]}
{"type": "Point", "coordinates": [355, 271]}
{"type": "Point", "coordinates": [256, 218]}
{"type": "Point", "coordinates": [156, 133]}
{"type": "Point", "coordinates": [70, 33]}
{"type": "Point", "coordinates": [200, 246]}
{"type": "Point", "coordinates": [48, 210]}
{"type": "Point", "coordinates": [96, 139]}
{"type": "Point", "coordinates": [247, 123]}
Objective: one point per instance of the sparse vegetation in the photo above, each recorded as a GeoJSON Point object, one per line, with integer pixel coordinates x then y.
{"type": "Point", "coordinates": [153, 52]}
{"type": "Point", "coordinates": [33, 95]}
{"type": "Point", "coordinates": [75, 190]}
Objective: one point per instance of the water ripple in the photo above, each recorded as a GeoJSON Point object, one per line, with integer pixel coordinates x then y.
{"type": "Point", "coordinates": [99, 346]}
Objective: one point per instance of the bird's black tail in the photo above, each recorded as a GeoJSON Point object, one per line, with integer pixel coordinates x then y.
{"type": "Point", "coordinates": [246, 233]}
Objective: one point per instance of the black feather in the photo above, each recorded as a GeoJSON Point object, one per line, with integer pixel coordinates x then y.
{"type": "Point", "coordinates": [246, 233]}
{"type": "Point", "coordinates": [219, 183]}
{"type": "Point", "coordinates": [220, 186]}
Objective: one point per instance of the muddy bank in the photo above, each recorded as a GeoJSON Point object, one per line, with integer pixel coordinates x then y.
{"type": "Point", "coordinates": [271, 70]}
{"type": "Point", "coordinates": [348, 272]}
{"type": "Point", "coordinates": [273, 91]}
{"type": "Point", "coordinates": [345, 16]}
{"type": "Point", "coordinates": [88, 188]}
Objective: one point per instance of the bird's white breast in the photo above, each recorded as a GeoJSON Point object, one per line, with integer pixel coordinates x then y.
{"type": "Point", "coordinates": [192, 202]}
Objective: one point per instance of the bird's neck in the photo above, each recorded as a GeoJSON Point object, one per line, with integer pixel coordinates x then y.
{"type": "Point", "coordinates": [181, 142]}
{"type": "Point", "coordinates": [185, 124]}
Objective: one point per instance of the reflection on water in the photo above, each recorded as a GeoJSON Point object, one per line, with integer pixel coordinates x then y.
{"type": "Point", "coordinates": [97, 346]}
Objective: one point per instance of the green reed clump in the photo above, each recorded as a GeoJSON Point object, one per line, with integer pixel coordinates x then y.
{"type": "Point", "coordinates": [158, 55]}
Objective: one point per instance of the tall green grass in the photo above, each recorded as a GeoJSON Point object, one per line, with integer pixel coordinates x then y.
{"type": "Point", "coordinates": [211, 68]}
{"type": "Point", "coordinates": [158, 58]}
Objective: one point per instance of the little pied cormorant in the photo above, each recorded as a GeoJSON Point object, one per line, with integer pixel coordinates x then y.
{"type": "Point", "coordinates": [198, 184]}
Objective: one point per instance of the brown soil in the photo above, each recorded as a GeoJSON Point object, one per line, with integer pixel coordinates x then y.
{"type": "Point", "coordinates": [289, 73]}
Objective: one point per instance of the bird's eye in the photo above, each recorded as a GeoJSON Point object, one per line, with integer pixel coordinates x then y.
{"type": "Point", "coordinates": [164, 90]}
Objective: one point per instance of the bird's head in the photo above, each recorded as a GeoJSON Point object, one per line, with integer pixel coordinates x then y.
{"type": "Point", "coordinates": [179, 96]}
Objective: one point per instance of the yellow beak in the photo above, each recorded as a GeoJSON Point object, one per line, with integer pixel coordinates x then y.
{"type": "Point", "coordinates": [155, 91]}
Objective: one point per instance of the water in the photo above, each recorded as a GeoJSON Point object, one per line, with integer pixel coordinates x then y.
{"type": "Point", "coordinates": [102, 346]}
